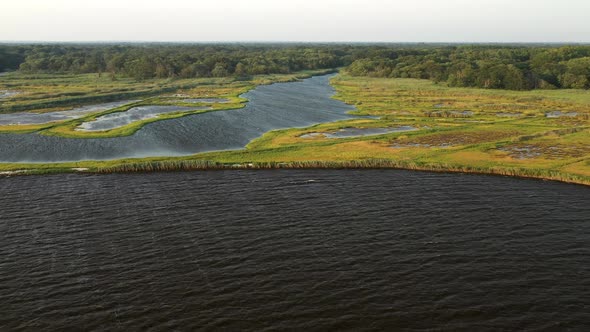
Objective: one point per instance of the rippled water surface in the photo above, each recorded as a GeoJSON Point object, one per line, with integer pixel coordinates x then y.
{"type": "Point", "coordinates": [298, 250]}
{"type": "Point", "coordinates": [281, 105]}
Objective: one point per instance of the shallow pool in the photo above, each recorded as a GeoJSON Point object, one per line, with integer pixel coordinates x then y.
{"type": "Point", "coordinates": [120, 119]}
{"type": "Point", "coordinates": [28, 118]}
{"type": "Point", "coordinates": [359, 132]}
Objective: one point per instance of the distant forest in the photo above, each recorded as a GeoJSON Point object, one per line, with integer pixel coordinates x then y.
{"type": "Point", "coordinates": [516, 67]}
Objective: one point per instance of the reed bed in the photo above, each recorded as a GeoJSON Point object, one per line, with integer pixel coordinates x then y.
{"type": "Point", "coordinates": [190, 165]}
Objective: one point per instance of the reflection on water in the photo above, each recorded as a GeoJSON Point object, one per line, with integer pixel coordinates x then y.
{"type": "Point", "coordinates": [24, 118]}
{"type": "Point", "coordinates": [206, 100]}
{"type": "Point", "coordinates": [359, 132]}
{"type": "Point", "coordinates": [120, 119]}
{"type": "Point", "coordinates": [281, 105]}
{"type": "Point", "coordinates": [559, 114]}
{"type": "Point", "coordinates": [8, 93]}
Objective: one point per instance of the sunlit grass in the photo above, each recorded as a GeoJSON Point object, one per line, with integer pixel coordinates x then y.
{"type": "Point", "coordinates": [480, 142]}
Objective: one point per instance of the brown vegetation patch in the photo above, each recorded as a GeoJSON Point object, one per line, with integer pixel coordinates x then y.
{"type": "Point", "coordinates": [448, 114]}
{"type": "Point", "coordinates": [522, 151]}
{"type": "Point", "coordinates": [554, 151]}
{"type": "Point", "coordinates": [446, 139]}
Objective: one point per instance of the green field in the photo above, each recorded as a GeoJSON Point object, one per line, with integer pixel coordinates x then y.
{"type": "Point", "coordinates": [460, 129]}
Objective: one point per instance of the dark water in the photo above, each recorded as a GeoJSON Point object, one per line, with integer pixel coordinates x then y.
{"type": "Point", "coordinates": [293, 250]}
{"type": "Point", "coordinates": [282, 105]}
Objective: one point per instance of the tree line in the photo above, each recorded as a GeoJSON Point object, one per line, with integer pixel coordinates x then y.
{"type": "Point", "coordinates": [494, 67]}
{"type": "Point", "coordinates": [172, 61]}
{"type": "Point", "coordinates": [514, 67]}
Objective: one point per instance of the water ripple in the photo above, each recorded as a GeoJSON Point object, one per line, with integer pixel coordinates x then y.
{"type": "Point", "coordinates": [272, 250]}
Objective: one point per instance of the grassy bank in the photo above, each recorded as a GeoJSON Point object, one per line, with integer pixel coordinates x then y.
{"type": "Point", "coordinates": [458, 130]}
{"type": "Point", "coordinates": [183, 164]}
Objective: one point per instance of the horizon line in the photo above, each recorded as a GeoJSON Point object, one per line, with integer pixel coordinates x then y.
{"type": "Point", "coordinates": [278, 42]}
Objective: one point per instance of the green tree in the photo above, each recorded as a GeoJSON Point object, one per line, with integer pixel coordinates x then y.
{"type": "Point", "coordinates": [220, 70]}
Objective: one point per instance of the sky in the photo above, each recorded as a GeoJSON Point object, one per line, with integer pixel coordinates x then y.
{"type": "Point", "coordinates": [296, 20]}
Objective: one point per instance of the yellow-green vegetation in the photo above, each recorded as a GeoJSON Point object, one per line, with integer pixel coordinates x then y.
{"type": "Point", "coordinates": [41, 93]}
{"type": "Point", "coordinates": [459, 130]}
{"type": "Point", "coordinates": [55, 92]}
{"type": "Point", "coordinates": [501, 130]}
{"type": "Point", "coordinates": [25, 129]}
{"type": "Point", "coordinates": [475, 130]}
{"type": "Point", "coordinates": [68, 129]}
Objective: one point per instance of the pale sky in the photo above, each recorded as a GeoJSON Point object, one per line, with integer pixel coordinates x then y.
{"type": "Point", "coordinates": [296, 20]}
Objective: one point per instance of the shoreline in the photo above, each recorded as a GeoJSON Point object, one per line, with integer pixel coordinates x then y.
{"type": "Point", "coordinates": [280, 149]}
{"type": "Point", "coordinates": [199, 165]}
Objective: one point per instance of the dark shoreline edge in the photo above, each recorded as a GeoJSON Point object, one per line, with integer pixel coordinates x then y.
{"type": "Point", "coordinates": [372, 164]}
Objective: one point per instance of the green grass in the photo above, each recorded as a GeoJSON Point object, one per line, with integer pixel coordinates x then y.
{"type": "Point", "coordinates": [56, 92]}
{"type": "Point", "coordinates": [481, 142]}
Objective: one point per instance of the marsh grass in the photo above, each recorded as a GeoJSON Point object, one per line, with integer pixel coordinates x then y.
{"type": "Point", "coordinates": [203, 165]}
{"type": "Point", "coordinates": [442, 144]}
{"type": "Point", "coordinates": [45, 93]}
